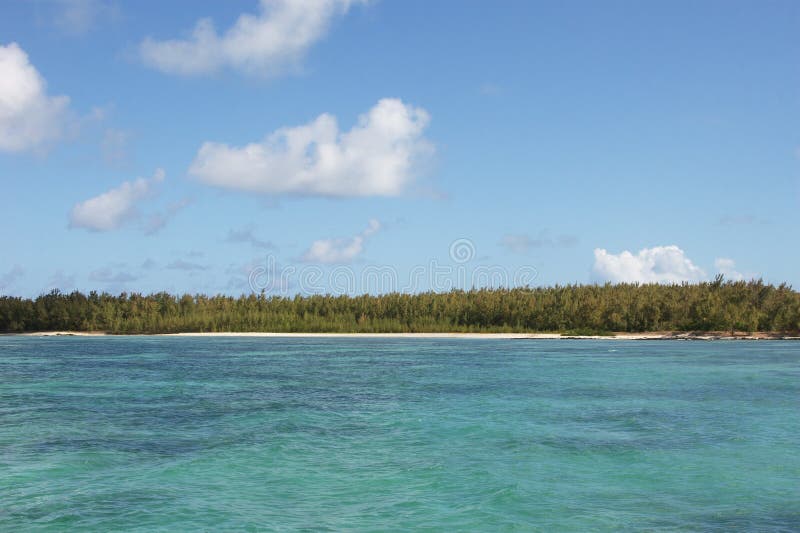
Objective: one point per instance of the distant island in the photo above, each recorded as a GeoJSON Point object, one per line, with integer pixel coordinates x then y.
{"type": "Point", "coordinates": [735, 309]}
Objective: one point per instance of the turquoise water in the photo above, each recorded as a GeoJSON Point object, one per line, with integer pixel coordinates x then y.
{"type": "Point", "coordinates": [189, 434]}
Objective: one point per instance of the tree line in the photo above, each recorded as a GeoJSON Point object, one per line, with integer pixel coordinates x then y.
{"type": "Point", "coordinates": [718, 305]}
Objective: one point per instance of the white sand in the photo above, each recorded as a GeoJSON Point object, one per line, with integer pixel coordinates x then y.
{"type": "Point", "coordinates": [63, 333]}
{"type": "Point", "coordinates": [382, 335]}
{"type": "Point", "coordinates": [656, 335]}
{"type": "Point", "coordinates": [369, 335]}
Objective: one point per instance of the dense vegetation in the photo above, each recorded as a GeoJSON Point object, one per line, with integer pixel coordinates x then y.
{"type": "Point", "coordinates": [714, 306]}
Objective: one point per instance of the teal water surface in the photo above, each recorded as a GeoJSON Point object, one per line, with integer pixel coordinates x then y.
{"type": "Point", "coordinates": [201, 434]}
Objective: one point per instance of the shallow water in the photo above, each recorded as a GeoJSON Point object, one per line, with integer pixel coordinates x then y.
{"type": "Point", "coordinates": [154, 433]}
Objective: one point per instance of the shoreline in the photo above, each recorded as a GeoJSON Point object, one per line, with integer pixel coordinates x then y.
{"type": "Point", "coordinates": [655, 335]}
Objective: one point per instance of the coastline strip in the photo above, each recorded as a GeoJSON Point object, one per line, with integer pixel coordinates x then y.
{"type": "Point", "coordinates": [556, 336]}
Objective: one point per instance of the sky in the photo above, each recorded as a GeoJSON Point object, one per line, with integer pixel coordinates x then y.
{"type": "Point", "coordinates": [347, 146]}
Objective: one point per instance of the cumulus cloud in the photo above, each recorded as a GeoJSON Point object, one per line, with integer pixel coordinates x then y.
{"type": "Point", "coordinates": [333, 251]}
{"type": "Point", "coordinates": [29, 118]}
{"type": "Point", "coordinates": [524, 243]}
{"type": "Point", "coordinates": [113, 208]}
{"type": "Point", "coordinates": [660, 264]}
{"type": "Point", "coordinates": [375, 158]}
{"type": "Point", "coordinates": [727, 267]}
{"type": "Point", "coordinates": [265, 44]}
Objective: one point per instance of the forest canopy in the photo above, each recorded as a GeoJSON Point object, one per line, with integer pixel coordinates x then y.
{"type": "Point", "coordinates": [710, 306]}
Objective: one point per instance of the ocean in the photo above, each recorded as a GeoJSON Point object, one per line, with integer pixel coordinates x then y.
{"type": "Point", "coordinates": [330, 434]}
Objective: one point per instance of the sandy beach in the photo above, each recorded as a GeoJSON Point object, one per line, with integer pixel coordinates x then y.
{"type": "Point", "coordinates": [656, 335]}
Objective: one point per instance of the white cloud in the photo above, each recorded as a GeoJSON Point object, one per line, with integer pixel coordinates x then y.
{"type": "Point", "coordinates": [727, 267]}
{"type": "Point", "coordinates": [332, 251]}
{"type": "Point", "coordinates": [113, 208]}
{"type": "Point", "coordinates": [266, 44]}
{"type": "Point", "coordinates": [660, 264]}
{"type": "Point", "coordinates": [376, 157]}
{"type": "Point", "coordinates": [29, 117]}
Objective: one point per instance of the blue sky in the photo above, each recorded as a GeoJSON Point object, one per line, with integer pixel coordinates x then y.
{"type": "Point", "coordinates": [581, 141]}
